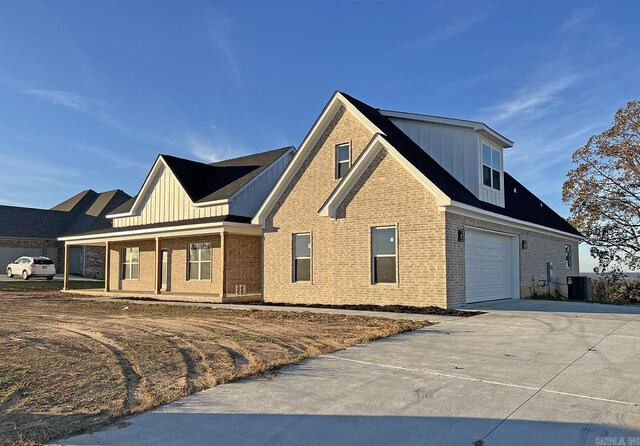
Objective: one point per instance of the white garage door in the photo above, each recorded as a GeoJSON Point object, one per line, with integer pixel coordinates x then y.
{"type": "Point", "coordinates": [489, 265]}
{"type": "Point", "coordinates": [8, 255]}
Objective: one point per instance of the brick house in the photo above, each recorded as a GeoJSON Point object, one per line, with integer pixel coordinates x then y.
{"type": "Point", "coordinates": [188, 231]}
{"type": "Point", "coordinates": [34, 232]}
{"type": "Point", "coordinates": [382, 207]}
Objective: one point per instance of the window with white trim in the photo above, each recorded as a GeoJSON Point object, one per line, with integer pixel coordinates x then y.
{"type": "Point", "coordinates": [302, 257]}
{"type": "Point", "coordinates": [131, 263]}
{"type": "Point", "coordinates": [491, 167]}
{"type": "Point", "coordinates": [343, 159]}
{"type": "Point", "coordinates": [567, 256]}
{"type": "Point", "coordinates": [383, 254]}
{"type": "Point", "coordinates": [199, 261]}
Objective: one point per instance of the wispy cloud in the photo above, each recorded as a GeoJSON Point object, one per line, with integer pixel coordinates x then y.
{"type": "Point", "coordinates": [66, 99]}
{"type": "Point", "coordinates": [445, 33]}
{"type": "Point", "coordinates": [208, 151]}
{"type": "Point", "coordinates": [531, 98]}
{"type": "Point", "coordinates": [219, 33]}
{"type": "Point", "coordinates": [578, 18]}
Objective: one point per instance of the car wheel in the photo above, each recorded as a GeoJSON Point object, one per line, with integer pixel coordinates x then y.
{"type": "Point", "coordinates": [9, 273]}
{"type": "Point", "coordinates": [49, 277]}
{"type": "Point", "coordinates": [25, 275]}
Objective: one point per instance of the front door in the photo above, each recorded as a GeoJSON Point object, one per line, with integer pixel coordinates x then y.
{"type": "Point", "coordinates": [165, 269]}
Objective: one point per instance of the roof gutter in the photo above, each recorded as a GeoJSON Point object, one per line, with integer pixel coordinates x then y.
{"type": "Point", "coordinates": [473, 212]}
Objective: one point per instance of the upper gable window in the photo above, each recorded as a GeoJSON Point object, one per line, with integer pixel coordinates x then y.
{"type": "Point", "coordinates": [491, 167]}
{"type": "Point", "coordinates": [343, 159]}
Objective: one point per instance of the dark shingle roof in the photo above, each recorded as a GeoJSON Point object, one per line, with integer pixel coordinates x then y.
{"type": "Point", "coordinates": [216, 181]}
{"type": "Point", "coordinates": [522, 205]}
{"type": "Point", "coordinates": [83, 212]}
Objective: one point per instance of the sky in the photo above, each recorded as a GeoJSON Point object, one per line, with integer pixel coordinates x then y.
{"type": "Point", "coordinates": [92, 92]}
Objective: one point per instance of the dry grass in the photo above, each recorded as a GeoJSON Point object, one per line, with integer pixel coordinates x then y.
{"type": "Point", "coordinates": [70, 365]}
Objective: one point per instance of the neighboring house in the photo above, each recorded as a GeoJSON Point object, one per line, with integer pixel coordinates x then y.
{"type": "Point", "coordinates": [382, 207]}
{"type": "Point", "coordinates": [34, 232]}
{"type": "Point", "coordinates": [189, 228]}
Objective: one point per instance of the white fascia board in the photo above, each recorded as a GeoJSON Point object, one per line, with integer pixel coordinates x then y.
{"type": "Point", "coordinates": [377, 143]}
{"type": "Point", "coordinates": [309, 141]}
{"type": "Point", "coordinates": [212, 203]}
{"type": "Point", "coordinates": [253, 180]}
{"type": "Point", "coordinates": [481, 214]}
{"type": "Point", "coordinates": [477, 126]}
{"type": "Point", "coordinates": [169, 231]}
{"type": "Point", "coordinates": [145, 186]}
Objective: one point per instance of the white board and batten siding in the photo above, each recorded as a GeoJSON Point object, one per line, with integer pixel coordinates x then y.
{"type": "Point", "coordinates": [247, 201]}
{"type": "Point", "coordinates": [167, 201]}
{"type": "Point", "coordinates": [458, 150]}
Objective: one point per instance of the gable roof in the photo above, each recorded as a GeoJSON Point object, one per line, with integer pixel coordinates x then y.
{"type": "Point", "coordinates": [477, 126]}
{"type": "Point", "coordinates": [521, 205]}
{"type": "Point", "coordinates": [205, 183]}
{"type": "Point", "coordinates": [83, 212]}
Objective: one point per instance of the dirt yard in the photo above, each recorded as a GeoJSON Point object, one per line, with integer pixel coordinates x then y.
{"type": "Point", "coordinates": [69, 365]}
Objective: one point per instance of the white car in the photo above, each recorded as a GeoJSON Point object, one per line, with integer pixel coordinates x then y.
{"type": "Point", "coordinates": [28, 267]}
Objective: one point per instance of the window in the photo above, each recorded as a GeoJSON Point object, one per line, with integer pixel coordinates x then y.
{"type": "Point", "coordinates": [567, 256]}
{"type": "Point", "coordinates": [131, 264]}
{"type": "Point", "coordinates": [491, 167]}
{"type": "Point", "coordinates": [302, 257]}
{"type": "Point", "coordinates": [383, 254]}
{"type": "Point", "coordinates": [343, 159]}
{"type": "Point", "coordinates": [199, 261]}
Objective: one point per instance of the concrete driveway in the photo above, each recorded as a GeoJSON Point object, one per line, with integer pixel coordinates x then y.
{"type": "Point", "coordinates": [528, 372]}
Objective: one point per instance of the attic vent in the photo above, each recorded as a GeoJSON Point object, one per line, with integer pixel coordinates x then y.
{"type": "Point", "coordinates": [514, 190]}
{"type": "Point", "coordinates": [241, 290]}
{"type": "Point", "coordinates": [540, 204]}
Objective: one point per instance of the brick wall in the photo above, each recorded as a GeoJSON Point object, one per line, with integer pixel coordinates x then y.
{"type": "Point", "coordinates": [341, 266]}
{"type": "Point", "coordinates": [94, 261]}
{"type": "Point", "coordinates": [243, 254]}
{"type": "Point", "coordinates": [147, 266]}
{"type": "Point", "coordinates": [541, 249]}
{"type": "Point", "coordinates": [243, 264]}
{"type": "Point", "coordinates": [296, 211]}
{"type": "Point", "coordinates": [178, 264]}
{"type": "Point", "coordinates": [430, 258]}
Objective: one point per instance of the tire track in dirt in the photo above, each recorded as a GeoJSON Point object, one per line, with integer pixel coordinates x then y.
{"type": "Point", "coordinates": [193, 357]}
{"type": "Point", "coordinates": [132, 378]}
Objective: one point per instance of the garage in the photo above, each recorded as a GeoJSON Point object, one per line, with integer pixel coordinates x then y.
{"type": "Point", "coordinates": [491, 265]}
{"type": "Point", "coordinates": [8, 255]}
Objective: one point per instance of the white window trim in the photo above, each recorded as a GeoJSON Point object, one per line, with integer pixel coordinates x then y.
{"type": "Point", "coordinates": [372, 257]}
{"type": "Point", "coordinates": [481, 163]}
{"type": "Point", "coordinates": [337, 163]}
{"type": "Point", "coordinates": [199, 262]}
{"type": "Point", "coordinates": [124, 263]}
{"type": "Point", "coordinates": [294, 258]}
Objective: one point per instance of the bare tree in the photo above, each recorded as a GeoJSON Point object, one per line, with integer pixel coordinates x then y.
{"type": "Point", "coordinates": [603, 192]}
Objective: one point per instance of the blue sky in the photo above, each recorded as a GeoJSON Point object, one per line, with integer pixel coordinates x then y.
{"type": "Point", "coordinates": [91, 92]}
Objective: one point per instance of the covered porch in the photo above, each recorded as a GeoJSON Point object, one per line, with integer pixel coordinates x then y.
{"type": "Point", "coordinates": [209, 262]}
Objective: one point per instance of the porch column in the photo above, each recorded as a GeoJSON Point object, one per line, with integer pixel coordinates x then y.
{"type": "Point", "coordinates": [158, 282]}
{"type": "Point", "coordinates": [107, 266]}
{"type": "Point", "coordinates": [65, 281]}
{"type": "Point", "coordinates": [223, 264]}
